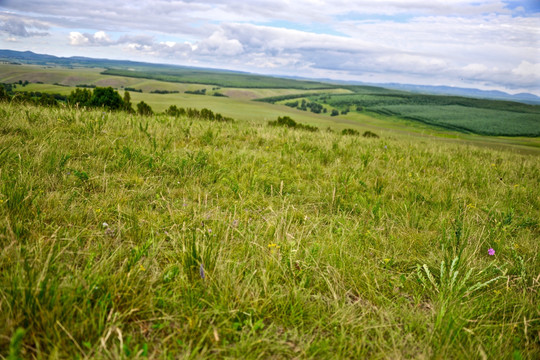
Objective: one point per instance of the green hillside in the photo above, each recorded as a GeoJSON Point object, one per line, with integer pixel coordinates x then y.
{"type": "Point", "coordinates": [215, 77]}
{"type": "Point", "coordinates": [126, 236]}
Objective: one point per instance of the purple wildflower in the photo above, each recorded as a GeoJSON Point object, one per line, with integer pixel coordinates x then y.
{"type": "Point", "coordinates": [201, 271]}
{"type": "Point", "coordinates": [491, 252]}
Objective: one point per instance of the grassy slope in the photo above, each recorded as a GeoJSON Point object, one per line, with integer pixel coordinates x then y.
{"type": "Point", "coordinates": [216, 77]}
{"type": "Point", "coordinates": [238, 105]}
{"type": "Point", "coordinates": [310, 242]}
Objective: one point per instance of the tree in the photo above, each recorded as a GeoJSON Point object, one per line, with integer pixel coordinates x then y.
{"type": "Point", "coordinates": [127, 102]}
{"type": "Point", "coordinates": [334, 113]}
{"type": "Point", "coordinates": [80, 97]}
{"type": "Point", "coordinates": [4, 94]}
{"type": "Point", "coordinates": [106, 97]}
{"type": "Point", "coordinates": [144, 109]}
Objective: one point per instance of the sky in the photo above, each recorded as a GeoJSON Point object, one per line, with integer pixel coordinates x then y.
{"type": "Point", "coordinates": [483, 44]}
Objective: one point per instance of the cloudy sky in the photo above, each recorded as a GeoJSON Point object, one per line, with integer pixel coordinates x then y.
{"type": "Point", "coordinates": [486, 44]}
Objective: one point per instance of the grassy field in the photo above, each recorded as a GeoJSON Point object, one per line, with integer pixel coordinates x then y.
{"type": "Point", "coordinates": [217, 77]}
{"type": "Point", "coordinates": [159, 237]}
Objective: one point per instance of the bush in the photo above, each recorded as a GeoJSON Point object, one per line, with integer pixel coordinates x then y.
{"type": "Point", "coordinates": [286, 121]}
{"type": "Point", "coordinates": [173, 110]}
{"type": "Point", "coordinates": [144, 109]}
{"type": "Point", "coordinates": [369, 134]}
{"type": "Point", "coordinates": [350, 132]}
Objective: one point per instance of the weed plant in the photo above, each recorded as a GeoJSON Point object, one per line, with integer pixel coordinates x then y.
{"type": "Point", "coordinates": [170, 237]}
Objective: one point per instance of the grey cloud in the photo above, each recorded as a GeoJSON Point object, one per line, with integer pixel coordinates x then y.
{"type": "Point", "coordinates": [20, 28]}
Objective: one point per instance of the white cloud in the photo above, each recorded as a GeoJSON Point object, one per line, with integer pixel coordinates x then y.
{"type": "Point", "coordinates": [220, 45]}
{"type": "Point", "coordinates": [77, 39]}
{"type": "Point", "coordinates": [100, 38]}
{"type": "Point", "coordinates": [527, 69]}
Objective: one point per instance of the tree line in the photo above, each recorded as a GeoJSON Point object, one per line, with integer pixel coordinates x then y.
{"type": "Point", "coordinates": [102, 97]}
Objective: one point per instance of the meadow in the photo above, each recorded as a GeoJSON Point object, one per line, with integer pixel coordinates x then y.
{"type": "Point", "coordinates": [126, 236]}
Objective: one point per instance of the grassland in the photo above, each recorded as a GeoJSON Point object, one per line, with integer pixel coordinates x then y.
{"type": "Point", "coordinates": [160, 237]}
{"type": "Point", "coordinates": [218, 78]}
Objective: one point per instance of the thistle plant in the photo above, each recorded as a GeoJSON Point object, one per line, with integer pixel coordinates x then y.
{"type": "Point", "coordinates": [450, 286]}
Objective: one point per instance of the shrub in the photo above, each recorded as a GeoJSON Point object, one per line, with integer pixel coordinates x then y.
{"type": "Point", "coordinates": [369, 134]}
{"type": "Point", "coordinates": [350, 132]}
{"type": "Point", "coordinates": [144, 109]}
{"type": "Point", "coordinates": [286, 121]}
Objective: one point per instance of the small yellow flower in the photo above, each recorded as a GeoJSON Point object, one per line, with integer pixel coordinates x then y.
{"type": "Point", "coordinates": [98, 210]}
{"type": "Point", "coordinates": [386, 261]}
{"type": "Point", "coordinates": [141, 267]}
{"type": "Point", "coordinates": [272, 245]}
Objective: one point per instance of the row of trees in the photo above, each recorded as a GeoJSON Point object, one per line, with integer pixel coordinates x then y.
{"type": "Point", "coordinates": [304, 105]}
{"type": "Point", "coordinates": [204, 114]}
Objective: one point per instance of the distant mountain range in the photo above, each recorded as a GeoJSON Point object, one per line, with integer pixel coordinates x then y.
{"type": "Point", "coordinates": [29, 57]}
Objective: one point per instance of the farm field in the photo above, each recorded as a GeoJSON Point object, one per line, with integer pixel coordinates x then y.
{"type": "Point", "coordinates": [127, 236]}
{"type": "Point", "coordinates": [467, 115]}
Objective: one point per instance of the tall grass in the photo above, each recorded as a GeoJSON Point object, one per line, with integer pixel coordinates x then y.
{"type": "Point", "coordinates": [162, 237]}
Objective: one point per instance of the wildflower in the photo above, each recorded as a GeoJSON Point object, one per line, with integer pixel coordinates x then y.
{"type": "Point", "coordinates": [105, 225]}
{"type": "Point", "coordinates": [491, 252]}
{"type": "Point", "coordinates": [141, 267]}
{"type": "Point", "coordinates": [201, 271]}
{"type": "Point", "coordinates": [386, 261]}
